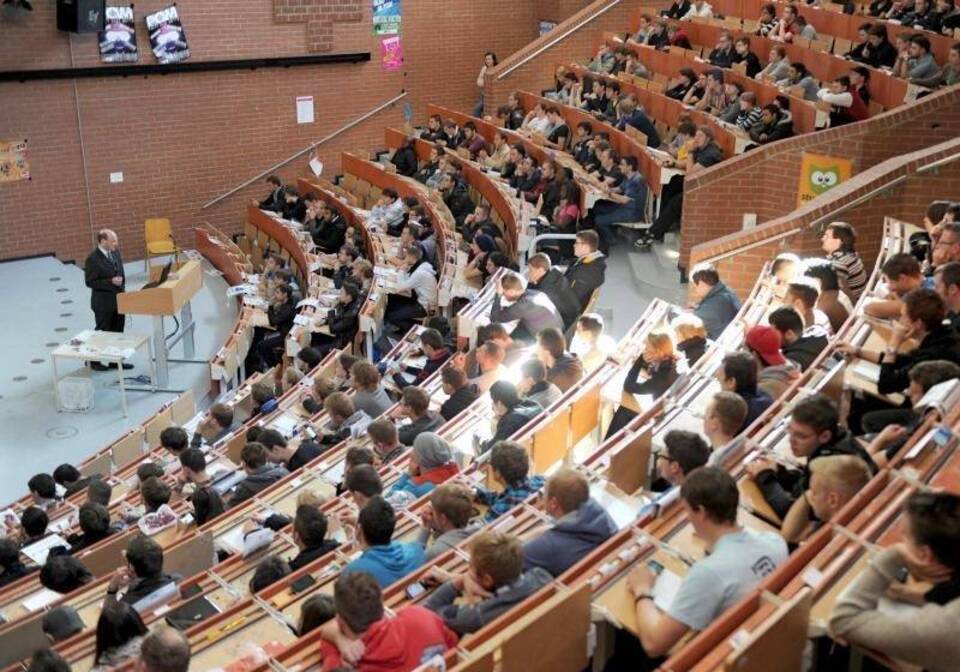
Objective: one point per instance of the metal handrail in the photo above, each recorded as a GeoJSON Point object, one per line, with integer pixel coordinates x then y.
{"type": "Point", "coordinates": [555, 40]}
{"type": "Point", "coordinates": [311, 147]}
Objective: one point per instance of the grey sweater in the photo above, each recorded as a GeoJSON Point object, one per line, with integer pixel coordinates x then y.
{"type": "Point", "coordinates": [445, 541]}
{"type": "Point", "coordinates": [928, 637]}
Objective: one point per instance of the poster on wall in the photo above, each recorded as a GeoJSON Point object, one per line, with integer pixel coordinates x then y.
{"type": "Point", "coordinates": [14, 160]}
{"type": "Point", "coordinates": [386, 17]}
{"type": "Point", "coordinates": [819, 174]}
{"type": "Point", "coordinates": [167, 39]}
{"type": "Point", "coordinates": [391, 53]}
{"type": "Point", "coordinates": [118, 39]}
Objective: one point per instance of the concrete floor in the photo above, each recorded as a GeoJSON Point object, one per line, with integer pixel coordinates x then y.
{"type": "Point", "coordinates": [46, 303]}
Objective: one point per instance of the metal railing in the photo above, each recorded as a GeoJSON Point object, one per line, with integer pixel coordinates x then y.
{"type": "Point", "coordinates": [343, 129]}
{"type": "Point", "coordinates": [559, 38]}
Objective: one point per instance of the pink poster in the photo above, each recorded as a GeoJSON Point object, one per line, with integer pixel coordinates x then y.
{"type": "Point", "coordinates": [391, 53]}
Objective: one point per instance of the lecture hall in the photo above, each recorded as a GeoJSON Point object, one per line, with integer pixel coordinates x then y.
{"type": "Point", "coordinates": [501, 336]}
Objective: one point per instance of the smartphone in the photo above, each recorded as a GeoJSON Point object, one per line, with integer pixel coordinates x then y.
{"type": "Point", "coordinates": [942, 436]}
{"type": "Point", "coordinates": [415, 590]}
{"type": "Point", "coordinates": [655, 567]}
{"type": "Point", "coordinates": [190, 591]}
{"type": "Point", "coordinates": [302, 584]}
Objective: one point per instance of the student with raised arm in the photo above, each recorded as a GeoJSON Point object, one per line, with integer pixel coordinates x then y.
{"type": "Point", "coordinates": [929, 553]}
{"type": "Point", "coordinates": [738, 560]}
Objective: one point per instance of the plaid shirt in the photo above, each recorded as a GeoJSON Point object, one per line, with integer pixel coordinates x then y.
{"type": "Point", "coordinates": [501, 502]}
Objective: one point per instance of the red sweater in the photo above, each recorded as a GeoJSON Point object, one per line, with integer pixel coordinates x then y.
{"type": "Point", "coordinates": [397, 644]}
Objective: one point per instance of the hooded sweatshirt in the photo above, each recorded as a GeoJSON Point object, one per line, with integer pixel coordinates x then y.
{"type": "Point", "coordinates": [511, 422]}
{"type": "Point", "coordinates": [570, 539]}
{"type": "Point", "coordinates": [389, 562]}
{"type": "Point", "coordinates": [411, 638]}
{"type": "Point", "coordinates": [774, 380]}
{"type": "Point", "coordinates": [804, 350]}
{"type": "Point", "coordinates": [259, 480]}
{"type": "Point", "coordinates": [467, 618]}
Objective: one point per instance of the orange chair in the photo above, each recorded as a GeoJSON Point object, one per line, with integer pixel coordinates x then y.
{"type": "Point", "coordinates": [159, 240]}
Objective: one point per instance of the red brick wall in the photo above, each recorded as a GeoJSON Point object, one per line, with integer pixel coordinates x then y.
{"type": "Point", "coordinates": [765, 181]}
{"type": "Point", "coordinates": [184, 139]}
{"type": "Point", "coordinates": [901, 192]}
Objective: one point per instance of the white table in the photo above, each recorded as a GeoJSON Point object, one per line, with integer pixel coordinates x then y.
{"type": "Point", "coordinates": [102, 346]}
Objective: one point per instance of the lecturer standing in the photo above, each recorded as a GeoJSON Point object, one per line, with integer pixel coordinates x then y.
{"type": "Point", "coordinates": [103, 272]}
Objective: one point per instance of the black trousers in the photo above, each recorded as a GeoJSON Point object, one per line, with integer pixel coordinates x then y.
{"type": "Point", "coordinates": [671, 208]}
{"type": "Point", "coordinates": [109, 320]}
{"type": "Point", "coordinates": [403, 312]}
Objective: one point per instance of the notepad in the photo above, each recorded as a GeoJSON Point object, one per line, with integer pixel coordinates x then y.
{"type": "Point", "coordinates": [39, 550]}
{"type": "Point", "coordinates": [867, 370]}
{"type": "Point", "coordinates": [666, 589]}
{"type": "Point", "coordinates": [39, 600]}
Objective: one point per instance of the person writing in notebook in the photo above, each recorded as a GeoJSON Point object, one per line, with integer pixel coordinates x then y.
{"type": "Point", "coordinates": [739, 559]}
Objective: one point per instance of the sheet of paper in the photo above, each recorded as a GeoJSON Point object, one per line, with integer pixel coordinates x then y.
{"type": "Point", "coordinates": [303, 320]}
{"type": "Point", "coordinates": [304, 109]}
{"type": "Point", "coordinates": [665, 589]}
{"type": "Point", "coordinates": [867, 370]}
{"type": "Point", "coordinates": [38, 601]}
{"type": "Point", "coordinates": [232, 540]}
{"type": "Point", "coordinates": [39, 550]}
{"type": "Point", "coordinates": [285, 424]}
{"type": "Point", "coordinates": [308, 303]}
{"type": "Point", "coordinates": [316, 165]}
{"type": "Point", "coordinates": [254, 541]}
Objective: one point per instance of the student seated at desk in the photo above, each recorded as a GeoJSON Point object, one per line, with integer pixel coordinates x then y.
{"type": "Point", "coordinates": [802, 296]}
{"type": "Point", "coordinates": [260, 474]}
{"type": "Point", "coordinates": [494, 584]}
{"type": "Point", "coordinates": [739, 559]}
{"type": "Point", "coordinates": [321, 389]}
{"type": "Point", "coordinates": [776, 373]}
{"type": "Point", "coordinates": [929, 553]}
{"type": "Point", "coordinates": [420, 281]}
{"type": "Point", "coordinates": [431, 463]}
{"type": "Point", "coordinates": [588, 272]}
{"type": "Point", "coordinates": [716, 305]}
{"type": "Point", "coordinates": [901, 274]}
{"type": "Point", "coordinates": [364, 638]}
{"type": "Point", "coordinates": [682, 452]}
{"type": "Point", "coordinates": [831, 301]}
{"type": "Point", "coordinates": [174, 439]}
{"type": "Point", "coordinates": [154, 493]}
{"type": "Point", "coordinates": [274, 200]}
{"type": "Point", "coordinates": [690, 336]}
{"type": "Point", "coordinates": [532, 310]}
{"type": "Point", "coordinates": [317, 610]}
{"type": "Point", "coordinates": [346, 420]}
{"type": "Point", "coordinates": [370, 396]}
{"type": "Point", "coordinates": [120, 633]}
{"type": "Point", "coordinates": [33, 525]}
{"type": "Point", "coordinates": [889, 433]}
{"type": "Point", "coordinates": [289, 456]}
{"type": "Point", "coordinates": [270, 570]}
{"type": "Point", "coordinates": [384, 439]}
{"type": "Point", "coordinates": [388, 211]}
{"type": "Point", "coordinates": [800, 346]}
{"type": "Point", "coordinates": [292, 207]}
{"type": "Point", "coordinates": [342, 321]}
{"type": "Point", "coordinates": [94, 522]}
{"type": "Point", "coordinates": [544, 278]}
{"type": "Point", "coordinates": [436, 352]}
{"type": "Point", "coordinates": [834, 480]}
{"type": "Point", "coordinates": [10, 563]}
{"type": "Point", "coordinates": [207, 505]}
{"type": "Point", "coordinates": [264, 396]}
{"type": "Point", "coordinates": [722, 421]}
{"type": "Point", "coordinates": [563, 368]}
{"type": "Point", "coordinates": [814, 432]}
{"type": "Point", "coordinates": [266, 342]}
{"type": "Point", "coordinates": [922, 319]}
{"type": "Point", "coordinates": [511, 410]}
{"type": "Point", "coordinates": [62, 623]}
{"type": "Point", "coordinates": [43, 491]}
{"type": "Point", "coordinates": [738, 373]}
{"type": "Point", "coordinates": [64, 574]}
{"type": "Point", "coordinates": [581, 525]}
{"type": "Point", "coordinates": [446, 522]}
{"type": "Point", "coordinates": [217, 422]}
{"type": "Point", "coordinates": [589, 343]}
{"type": "Point", "coordinates": [362, 483]}
{"type": "Point", "coordinates": [459, 390]}
{"type": "Point", "coordinates": [534, 386]}
{"type": "Point", "coordinates": [510, 467]}
{"type": "Point", "coordinates": [652, 373]}
{"type": "Point", "coordinates": [70, 479]}
{"type": "Point", "coordinates": [384, 559]}
{"type": "Point", "coordinates": [142, 575]}
{"type": "Point", "coordinates": [415, 405]}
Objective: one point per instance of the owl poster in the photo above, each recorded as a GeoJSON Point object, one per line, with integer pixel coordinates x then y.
{"type": "Point", "coordinates": [820, 173]}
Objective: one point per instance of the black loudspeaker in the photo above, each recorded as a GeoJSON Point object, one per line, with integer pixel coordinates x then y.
{"type": "Point", "coordinates": [80, 16]}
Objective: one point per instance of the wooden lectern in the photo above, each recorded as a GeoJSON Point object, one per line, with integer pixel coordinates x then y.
{"type": "Point", "coordinates": [166, 299]}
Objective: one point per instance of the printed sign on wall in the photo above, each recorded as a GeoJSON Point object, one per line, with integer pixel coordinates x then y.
{"type": "Point", "coordinates": [820, 173]}
{"type": "Point", "coordinates": [386, 17]}
{"type": "Point", "coordinates": [167, 39]}
{"type": "Point", "coordinates": [14, 161]}
{"type": "Point", "coordinates": [391, 53]}
{"type": "Point", "coordinates": [118, 39]}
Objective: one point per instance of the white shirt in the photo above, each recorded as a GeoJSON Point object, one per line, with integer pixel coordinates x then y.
{"type": "Point", "coordinates": [705, 11]}
{"type": "Point", "coordinates": [421, 281]}
{"type": "Point", "coordinates": [389, 214]}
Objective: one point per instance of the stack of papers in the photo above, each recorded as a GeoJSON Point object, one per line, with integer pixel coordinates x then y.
{"type": "Point", "coordinates": [122, 353]}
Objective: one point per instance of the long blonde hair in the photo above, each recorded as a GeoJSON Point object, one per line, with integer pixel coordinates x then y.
{"type": "Point", "coordinates": [662, 345]}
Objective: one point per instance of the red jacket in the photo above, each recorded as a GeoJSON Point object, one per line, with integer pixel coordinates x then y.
{"type": "Point", "coordinates": [397, 644]}
{"type": "Point", "coordinates": [858, 110]}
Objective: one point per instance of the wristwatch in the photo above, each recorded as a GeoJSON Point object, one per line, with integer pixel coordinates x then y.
{"type": "Point", "coordinates": [642, 596]}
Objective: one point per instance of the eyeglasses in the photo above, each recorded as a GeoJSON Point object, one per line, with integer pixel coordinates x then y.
{"type": "Point", "coordinates": [657, 454]}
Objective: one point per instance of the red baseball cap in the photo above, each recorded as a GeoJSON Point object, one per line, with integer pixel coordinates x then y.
{"type": "Point", "coordinates": [765, 341]}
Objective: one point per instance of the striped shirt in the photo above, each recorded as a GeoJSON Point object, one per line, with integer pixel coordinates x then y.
{"type": "Point", "coordinates": [850, 273]}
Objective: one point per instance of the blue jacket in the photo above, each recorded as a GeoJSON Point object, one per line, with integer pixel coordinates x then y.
{"type": "Point", "coordinates": [570, 540]}
{"type": "Point", "coordinates": [635, 188]}
{"type": "Point", "coordinates": [717, 309]}
{"type": "Point", "coordinates": [388, 563]}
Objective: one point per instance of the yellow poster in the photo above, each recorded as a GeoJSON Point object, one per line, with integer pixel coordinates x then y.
{"type": "Point", "coordinates": [820, 173]}
{"type": "Point", "coordinates": [14, 163]}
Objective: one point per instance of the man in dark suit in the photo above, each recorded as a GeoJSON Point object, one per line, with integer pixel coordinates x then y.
{"type": "Point", "coordinates": [275, 199]}
{"type": "Point", "coordinates": [588, 272]}
{"type": "Point", "coordinates": [103, 273]}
